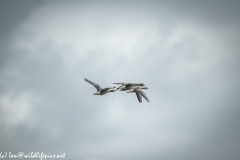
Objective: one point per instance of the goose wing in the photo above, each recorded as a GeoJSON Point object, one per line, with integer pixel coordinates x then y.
{"type": "Point", "coordinates": [122, 84]}
{"type": "Point", "coordinates": [139, 97]}
{"type": "Point", "coordinates": [119, 83]}
{"type": "Point", "coordinates": [94, 84]}
{"type": "Point", "coordinates": [142, 94]}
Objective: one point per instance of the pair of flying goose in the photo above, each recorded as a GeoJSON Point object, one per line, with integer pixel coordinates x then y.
{"type": "Point", "coordinates": [129, 87]}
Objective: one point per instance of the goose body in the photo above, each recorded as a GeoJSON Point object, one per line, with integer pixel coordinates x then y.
{"type": "Point", "coordinates": [100, 91]}
{"type": "Point", "coordinates": [128, 86]}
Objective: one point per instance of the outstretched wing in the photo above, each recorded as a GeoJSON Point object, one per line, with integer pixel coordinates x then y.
{"type": "Point", "coordinates": [122, 84]}
{"type": "Point", "coordinates": [139, 97]}
{"type": "Point", "coordinates": [142, 94]}
{"type": "Point", "coordinates": [94, 84]}
{"type": "Point", "coordinates": [119, 83]}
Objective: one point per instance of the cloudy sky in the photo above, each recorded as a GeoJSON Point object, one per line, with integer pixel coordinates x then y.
{"type": "Point", "coordinates": [187, 53]}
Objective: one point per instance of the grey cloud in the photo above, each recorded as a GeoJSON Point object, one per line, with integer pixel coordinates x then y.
{"type": "Point", "coordinates": [13, 14]}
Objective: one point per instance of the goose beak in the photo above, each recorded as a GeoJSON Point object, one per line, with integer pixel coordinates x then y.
{"type": "Point", "coordinates": [94, 93]}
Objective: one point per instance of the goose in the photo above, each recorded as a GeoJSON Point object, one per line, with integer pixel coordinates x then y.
{"type": "Point", "coordinates": [100, 91]}
{"type": "Point", "coordinates": [128, 86]}
{"type": "Point", "coordinates": [132, 90]}
{"type": "Point", "coordinates": [139, 93]}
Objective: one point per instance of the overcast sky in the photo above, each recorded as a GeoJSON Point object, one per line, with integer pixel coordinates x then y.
{"type": "Point", "coordinates": [187, 54]}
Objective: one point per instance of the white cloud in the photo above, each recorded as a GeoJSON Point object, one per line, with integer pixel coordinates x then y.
{"type": "Point", "coordinates": [17, 109]}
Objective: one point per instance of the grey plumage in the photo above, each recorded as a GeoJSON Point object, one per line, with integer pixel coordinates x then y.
{"type": "Point", "coordinates": [139, 97]}
{"type": "Point", "coordinates": [100, 91]}
{"type": "Point", "coordinates": [129, 87]}
{"type": "Point", "coordinates": [94, 84]}
{"type": "Point", "coordinates": [141, 93]}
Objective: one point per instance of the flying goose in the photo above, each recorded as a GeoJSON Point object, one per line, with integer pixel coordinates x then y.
{"type": "Point", "coordinates": [139, 93]}
{"type": "Point", "coordinates": [132, 90]}
{"type": "Point", "coordinates": [128, 86]}
{"type": "Point", "coordinates": [100, 91]}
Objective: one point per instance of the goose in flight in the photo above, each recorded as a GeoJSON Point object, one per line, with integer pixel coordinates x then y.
{"type": "Point", "coordinates": [139, 93]}
{"type": "Point", "coordinates": [128, 86]}
{"type": "Point", "coordinates": [100, 91]}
